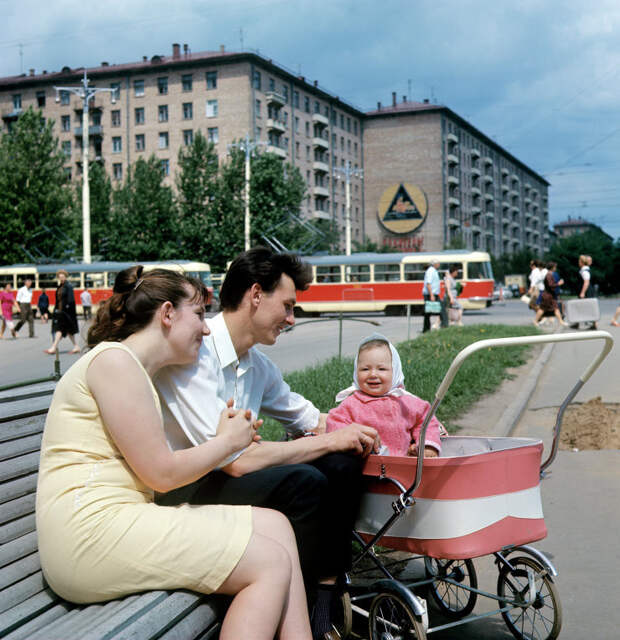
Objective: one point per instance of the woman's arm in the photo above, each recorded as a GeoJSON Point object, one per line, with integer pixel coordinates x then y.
{"type": "Point", "coordinates": [125, 400]}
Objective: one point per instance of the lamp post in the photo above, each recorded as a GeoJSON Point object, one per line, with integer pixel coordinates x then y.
{"type": "Point", "coordinates": [86, 93]}
{"type": "Point", "coordinates": [248, 147]}
{"type": "Point", "coordinates": [346, 172]}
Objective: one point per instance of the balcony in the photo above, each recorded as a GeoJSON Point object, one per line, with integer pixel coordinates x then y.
{"type": "Point", "coordinates": [452, 159]}
{"type": "Point", "coordinates": [476, 209]}
{"type": "Point", "coordinates": [487, 160]}
{"type": "Point", "coordinates": [505, 188]}
{"type": "Point", "coordinates": [320, 192]}
{"type": "Point", "coordinates": [489, 196]}
{"type": "Point", "coordinates": [13, 114]}
{"type": "Point", "coordinates": [275, 124]}
{"type": "Point", "coordinates": [93, 130]}
{"type": "Point", "coordinates": [505, 171]}
{"type": "Point", "coordinates": [475, 171]}
{"type": "Point", "coordinates": [271, 148]}
{"type": "Point", "coordinates": [475, 153]}
{"type": "Point", "coordinates": [489, 232]}
{"type": "Point", "coordinates": [453, 222]}
{"type": "Point", "coordinates": [475, 191]}
{"type": "Point", "coordinates": [321, 167]}
{"type": "Point", "coordinates": [489, 213]}
{"type": "Point", "coordinates": [453, 180]}
{"type": "Point", "coordinates": [321, 215]}
{"type": "Point", "coordinates": [513, 194]}
{"type": "Point", "coordinates": [487, 178]}
{"type": "Point", "coordinates": [320, 142]}
{"type": "Point", "coordinates": [320, 119]}
{"type": "Point", "coordinates": [454, 202]}
{"type": "Point", "coordinates": [452, 138]}
{"type": "Point", "coordinates": [272, 97]}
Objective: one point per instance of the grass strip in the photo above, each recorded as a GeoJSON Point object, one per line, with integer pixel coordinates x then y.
{"type": "Point", "coordinates": [425, 360]}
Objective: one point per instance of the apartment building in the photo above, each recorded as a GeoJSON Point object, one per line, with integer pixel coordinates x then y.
{"type": "Point", "coordinates": [434, 180]}
{"type": "Point", "coordinates": [420, 177]}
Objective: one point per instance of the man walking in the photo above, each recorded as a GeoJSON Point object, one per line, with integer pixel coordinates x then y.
{"type": "Point", "coordinates": [314, 481]}
{"type": "Point", "coordinates": [24, 300]}
{"type": "Point", "coordinates": [431, 292]}
{"type": "Point", "coordinates": [87, 304]}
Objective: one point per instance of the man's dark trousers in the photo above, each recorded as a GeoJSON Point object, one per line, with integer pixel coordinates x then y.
{"type": "Point", "coordinates": [25, 315]}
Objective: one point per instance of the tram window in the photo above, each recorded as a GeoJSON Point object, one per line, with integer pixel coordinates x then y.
{"type": "Point", "coordinates": [6, 278]}
{"type": "Point", "coordinates": [93, 280]}
{"type": "Point", "coordinates": [328, 274]}
{"type": "Point", "coordinates": [479, 271]}
{"type": "Point", "coordinates": [415, 271]}
{"type": "Point", "coordinates": [47, 281]}
{"type": "Point", "coordinates": [389, 272]}
{"type": "Point", "coordinates": [358, 273]}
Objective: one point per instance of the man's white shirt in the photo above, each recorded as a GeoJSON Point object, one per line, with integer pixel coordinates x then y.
{"type": "Point", "coordinates": [24, 295]}
{"type": "Point", "coordinates": [193, 396]}
{"type": "Point", "coordinates": [431, 281]}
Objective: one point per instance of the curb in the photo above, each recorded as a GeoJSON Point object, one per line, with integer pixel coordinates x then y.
{"type": "Point", "coordinates": [512, 414]}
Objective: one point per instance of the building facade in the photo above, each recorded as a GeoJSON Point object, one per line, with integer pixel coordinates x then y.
{"type": "Point", "coordinates": [420, 177]}
{"type": "Point", "coordinates": [574, 226]}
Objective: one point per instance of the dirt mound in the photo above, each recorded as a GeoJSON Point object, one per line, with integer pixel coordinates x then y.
{"type": "Point", "coordinates": [592, 425]}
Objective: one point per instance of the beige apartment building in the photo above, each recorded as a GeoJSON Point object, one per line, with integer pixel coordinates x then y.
{"type": "Point", "coordinates": [419, 175]}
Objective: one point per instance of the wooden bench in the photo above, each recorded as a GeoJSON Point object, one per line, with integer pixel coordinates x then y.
{"type": "Point", "coordinates": [29, 609]}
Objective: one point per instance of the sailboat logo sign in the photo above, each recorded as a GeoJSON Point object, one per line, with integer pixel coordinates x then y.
{"type": "Point", "coordinates": [402, 208]}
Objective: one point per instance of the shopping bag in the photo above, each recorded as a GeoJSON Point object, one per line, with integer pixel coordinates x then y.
{"type": "Point", "coordinates": [525, 298]}
{"type": "Point", "coordinates": [432, 307]}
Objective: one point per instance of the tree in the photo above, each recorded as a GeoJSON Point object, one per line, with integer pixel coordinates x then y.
{"type": "Point", "coordinates": [197, 186]}
{"type": "Point", "coordinates": [369, 246]}
{"type": "Point", "coordinates": [35, 196]}
{"type": "Point", "coordinates": [143, 221]}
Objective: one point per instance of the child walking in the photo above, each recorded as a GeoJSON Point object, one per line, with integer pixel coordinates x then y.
{"type": "Point", "coordinates": [378, 399]}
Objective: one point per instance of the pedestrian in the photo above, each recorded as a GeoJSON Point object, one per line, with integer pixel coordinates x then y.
{"type": "Point", "coordinates": [87, 303]}
{"type": "Point", "coordinates": [587, 286]}
{"type": "Point", "coordinates": [44, 305]}
{"type": "Point", "coordinates": [24, 300]}
{"type": "Point", "coordinates": [432, 293]}
{"type": "Point", "coordinates": [455, 308]}
{"type": "Point", "coordinates": [314, 481]}
{"type": "Point", "coordinates": [64, 318]}
{"type": "Point", "coordinates": [7, 302]}
{"type": "Point", "coordinates": [103, 456]}
{"type": "Point", "coordinates": [548, 303]}
{"type": "Point", "coordinates": [614, 321]}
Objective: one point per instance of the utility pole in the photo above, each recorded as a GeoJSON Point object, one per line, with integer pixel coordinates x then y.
{"type": "Point", "coordinates": [346, 172]}
{"type": "Point", "coordinates": [248, 147]}
{"type": "Point", "coordinates": [86, 93]}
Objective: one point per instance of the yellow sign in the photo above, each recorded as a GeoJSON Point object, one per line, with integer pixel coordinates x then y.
{"type": "Point", "coordinates": [402, 208]}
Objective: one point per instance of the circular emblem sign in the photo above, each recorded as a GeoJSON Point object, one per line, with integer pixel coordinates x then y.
{"type": "Point", "coordinates": [402, 208]}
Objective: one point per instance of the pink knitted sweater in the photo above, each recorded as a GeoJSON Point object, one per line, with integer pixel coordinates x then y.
{"type": "Point", "coordinates": [398, 419]}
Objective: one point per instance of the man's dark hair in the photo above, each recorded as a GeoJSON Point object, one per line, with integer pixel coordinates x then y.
{"type": "Point", "coordinates": [265, 267]}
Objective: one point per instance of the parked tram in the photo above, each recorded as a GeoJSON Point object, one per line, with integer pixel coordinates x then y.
{"type": "Point", "coordinates": [97, 277]}
{"type": "Point", "coordinates": [388, 282]}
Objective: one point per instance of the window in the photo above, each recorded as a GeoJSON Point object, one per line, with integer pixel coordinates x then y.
{"type": "Point", "coordinates": [317, 107]}
{"type": "Point", "coordinates": [188, 137]}
{"type": "Point", "coordinates": [138, 88]}
{"type": "Point", "coordinates": [258, 133]}
{"type": "Point", "coordinates": [162, 113]}
{"type": "Point", "coordinates": [308, 129]}
{"type": "Point", "coordinates": [116, 94]}
{"type": "Point", "coordinates": [40, 98]}
{"type": "Point", "coordinates": [117, 144]}
{"type": "Point", "coordinates": [17, 101]}
{"type": "Point", "coordinates": [257, 108]}
{"type": "Point", "coordinates": [162, 86]}
{"type": "Point", "coordinates": [140, 142]}
{"type": "Point", "coordinates": [211, 108]}
{"type": "Point", "coordinates": [188, 110]}
{"type": "Point", "coordinates": [117, 171]}
{"type": "Point", "coordinates": [116, 118]}
{"type": "Point", "coordinates": [285, 93]}
{"type": "Point", "coordinates": [342, 121]}
{"type": "Point", "coordinates": [272, 84]}
{"type": "Point", "coordinates": [296, 99]}
{"type": "Point", "coordinates": [358, 273]}
{"type": "Point", "coordinates": [213, 135]}
{"type": "Point", "coordinates": [211, 77]}
{"type": "Point", "coordinates": [65, 123]}
{"type": "Point", "coordinates": [349, 124]}
{"type": "Point", "coordinates": [306, 104]}
{"type": "Point", "coordinates": [139, 113]}
{"type": "Point", "coordinates": [65, 97]}
{"type": "Point", "coordinates": [165, 167]}
{"type": "Point", "coordinates": [256, 81]}
{"type": "Point", "coordinates": [307, 153]}
{"type": "Point", "coordinates": [95, 118]}
{"type": "Point", "coordinates": [187, 83]}
{"type": "Point", "coordinates": [297, 149]}
{"type": "Point", "coordinates": [355, 127]}
{"type": "Point", "coordinates": [66, 147]}
{"type": "Point", "coordinates": [296, 124]}
{"type": "Point", "coordinates": [163, 140]}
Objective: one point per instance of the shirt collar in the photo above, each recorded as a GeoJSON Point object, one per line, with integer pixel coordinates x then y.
{"type": "Point", "coordinates": [224, 347]}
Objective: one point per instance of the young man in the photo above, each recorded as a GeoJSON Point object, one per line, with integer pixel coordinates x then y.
{"type": "Point", "coordinates": [24, 300]}
{"type": "Point", "coordinates": [313, 480]}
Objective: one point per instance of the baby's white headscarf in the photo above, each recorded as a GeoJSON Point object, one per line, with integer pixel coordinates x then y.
{"type": "Point", "coordinates": [398, 378]}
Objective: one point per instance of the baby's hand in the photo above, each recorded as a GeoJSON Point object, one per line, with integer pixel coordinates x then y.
{"type": "Point", "coordinates": [429, 452]}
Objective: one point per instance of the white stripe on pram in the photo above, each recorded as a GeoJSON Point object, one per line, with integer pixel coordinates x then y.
{"type": "Point", "coordinates": [440, 519]}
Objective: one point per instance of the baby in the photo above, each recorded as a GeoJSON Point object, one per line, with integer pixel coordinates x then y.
{"type": "Point", "coordinates": [378, 399]}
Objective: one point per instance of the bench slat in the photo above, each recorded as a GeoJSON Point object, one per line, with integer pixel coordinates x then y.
{"type": "Point", "coordinates": [20, 466]}
{"type": "Point", "coordinates": [42, 621]}
{"type": "Point", "coordinates": [27, 610]}
{"type": "Point", "coordinates": [47, 386]}
{"type": "Point", "coordinates": [19, 446]}
{"type": "Point", "coordinates": [24, 426]}
{"type": "Point", "coordinates": [18, 527]}
{"type": "Point", "coordinates": [27, 408]}
{"type": "Point", "coordinates": [18, 488]}
{"type": "Point", "coordinates": [18, 548]}
{"type": "Point", "coordinates": [22, 590]}
{"type": "Point", "coordinates": [17, 508]}
{"type": "Point", "coordinates": [19, 569]}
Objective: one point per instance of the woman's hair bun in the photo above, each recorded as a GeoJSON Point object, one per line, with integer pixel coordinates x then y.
{"type": "Point", "coordinates": [126, 280]}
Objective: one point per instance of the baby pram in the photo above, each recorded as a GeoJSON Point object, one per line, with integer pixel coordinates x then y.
{"type": "Point", "coordinates": [481, 497]}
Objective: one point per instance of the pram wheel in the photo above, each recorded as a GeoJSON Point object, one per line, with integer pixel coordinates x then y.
{"type": "Point", "coordinates": [342, 615]}
{"type": "Point", "coordinates": [537, 612]}
{"type": "Point", "coordinates": [391, 618]}
{"type": "Point", "coordinates": [449, 590]}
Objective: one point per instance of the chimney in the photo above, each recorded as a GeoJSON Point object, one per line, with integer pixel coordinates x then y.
{"type": "Point", "coordinates": [185, 50]}
{"type": "Point", "coordinates": [222, 48]}
{"type": "Point", "coordinates": [404, 99]}
{"type": "Point", "coordinates": [31, 72]}
{"type": "Point", "coordinates": [144, 58]}
{"type": "Point", "coordinates": [316, 83]}
{"type": "Point", "coordinates": [176, 51]}
{"type": "Point", "coordinates": [44, 72]}
{"type": "Point", "coordinates": [378, 106]}
{"type": "Point", "coordinates": [105, 64]}
{"type": "Point", "coordinates": [425, 100]}
{"type": "Point", "coordinates": [393, 98]}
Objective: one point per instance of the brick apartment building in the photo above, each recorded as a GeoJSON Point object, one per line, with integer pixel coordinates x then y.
{"type": "Point", "coordinates": [428, 176]}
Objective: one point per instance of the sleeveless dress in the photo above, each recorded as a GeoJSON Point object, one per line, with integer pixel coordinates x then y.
{"type": "Point", "coordinates": [101, 536]}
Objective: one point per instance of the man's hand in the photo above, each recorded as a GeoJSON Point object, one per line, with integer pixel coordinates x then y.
{"type": "Point", "coordinates": [429, 452]}
{"type": "Point", "coordinates": [358, 438]}
{"type": "Point", "coordinates": [237, 425]}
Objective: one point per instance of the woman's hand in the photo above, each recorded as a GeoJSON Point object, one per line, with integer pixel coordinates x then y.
{"type": "Point", "coordinates": [237, 426]}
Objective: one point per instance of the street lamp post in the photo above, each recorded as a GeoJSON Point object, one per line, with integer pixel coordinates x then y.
{"type": "Point", "coordinates": [86, 93]}
{"type": "Point", "coordinates": [248, 147]}
{"type": "Point", "coordinates": [346, 172]}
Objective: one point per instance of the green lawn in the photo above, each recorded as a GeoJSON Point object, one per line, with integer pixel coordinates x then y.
{"type": "Point", "coordinates": [425, 362]}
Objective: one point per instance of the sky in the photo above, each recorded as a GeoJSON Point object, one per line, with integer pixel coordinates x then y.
{"type": "Point", "coordinates": [540, 77]}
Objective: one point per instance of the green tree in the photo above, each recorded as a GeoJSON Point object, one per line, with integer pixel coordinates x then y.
{"type": "Point", "coordinates": [143, 221]}
{"type": "Point", "coordinates": [35, 197]}
{"type": "Point", "coordinates": [369, 246]}
{"type": "Point", "coordinates": [197, 186]}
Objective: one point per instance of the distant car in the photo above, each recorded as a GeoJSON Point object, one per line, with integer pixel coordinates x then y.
{"type": "Point", "coordinates": [506, 292]}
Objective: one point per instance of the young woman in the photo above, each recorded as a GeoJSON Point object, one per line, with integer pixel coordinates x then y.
{"type": "Point", "coordinates": [64, 319]}
{"type": "Point", "coordinates": [104, 453]}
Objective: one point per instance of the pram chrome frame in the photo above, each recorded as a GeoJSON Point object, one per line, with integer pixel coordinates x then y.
{"type": "Point", "coordinates": [522, 575]}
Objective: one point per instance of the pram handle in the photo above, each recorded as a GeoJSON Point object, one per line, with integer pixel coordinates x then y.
{"type": "Point", "coordinates": [509, 342]}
